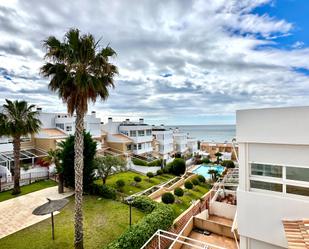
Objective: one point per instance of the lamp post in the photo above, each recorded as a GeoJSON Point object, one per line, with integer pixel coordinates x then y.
{"type": "Point", "coordinates": [130, 200]}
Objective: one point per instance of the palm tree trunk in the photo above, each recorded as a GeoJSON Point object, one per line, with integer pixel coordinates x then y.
{"type": "Point", "coordinates": [60, 183]}
{"type": "Point", "coordinates": [16, 148]}
{"type": "Point", "coordinates": [78, 168]}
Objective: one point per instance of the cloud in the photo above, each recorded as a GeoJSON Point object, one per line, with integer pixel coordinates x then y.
{"type": "Point", "coordinates": [177, 59]}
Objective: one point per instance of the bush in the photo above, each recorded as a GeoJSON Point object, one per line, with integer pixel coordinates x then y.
{"type": "Point", "coordinates": [161, 217]}
{"type": "Point", "coordinates": [166, 170]}
{"type": "Point", "coordinates": [140, 162]}
{"type": "Point", "coordinates": [195, 181]}
{"type": "Point", "coordinates": [206, 160]}
{"type": "Point", "coordinates": [177, 166]}
{"type": "Point", "coordinates": [137, 179]}
{"type": "Point", "coordinates": [188, 185]}
{"type": "Point", "coordinates": [144, 204]}
{"type": "Point", "coordinates": [150, 175]}
{"type": "Point", "coordinates": [159, 172]}
{"type": "Point", "coordinates": [228, 164]}
{"type": "Point", "coordinates": [157, 162]}
{"type": "Point", "coordinates": [137, 161]}
{"type": "Point", "coordinates": [120, 183]}
{"type": "Point", "coordinates": [168, 198]}
{"type": "Point", "coordinates": [178, 192]}
{"type": "Point", "coordinates": [105, 191]}
{"type": "Point", "coordinates": [201, 179]}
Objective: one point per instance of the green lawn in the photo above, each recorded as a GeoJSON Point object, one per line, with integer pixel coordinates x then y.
{"type": "Point", "coordinates": [128, 177]}
{"type": "Point", "coordinates": [104, 221]}
{"type": "Point", "coordinates": [6, 195]}
{"type": "Point", "coordinates": [193, 194]}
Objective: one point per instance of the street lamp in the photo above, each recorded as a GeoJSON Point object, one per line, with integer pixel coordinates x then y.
{"type": "Point", "coordinates": [130, 200]}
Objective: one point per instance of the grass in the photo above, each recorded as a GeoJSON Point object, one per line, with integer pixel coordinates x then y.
{"type": "Point", "coordinates": [6, 195]}
{"type": "Point", "coordinates": [104, 221]}
{"type": "Point", "coordinates": [128, 177]}
{"type": "Point", "coordinates": [193, 194]}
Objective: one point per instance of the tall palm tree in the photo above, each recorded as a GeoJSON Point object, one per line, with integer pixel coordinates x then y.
{"type": "Point", "coordinates": [16, 120]}
{"type": "Point", "coordinates": [79, 71]}
{"type": "Point", "coordinates": [53, 157]}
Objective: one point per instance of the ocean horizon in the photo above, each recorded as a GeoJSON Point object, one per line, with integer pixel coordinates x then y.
{"type": "Point", "coordinates": [208, 133]}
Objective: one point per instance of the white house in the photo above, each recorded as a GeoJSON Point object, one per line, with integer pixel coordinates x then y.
{"type": "Point", "coordinates": [180, 141]}
{"type": "Point", "coordinates": [273, 175]}
{"type": "Point", "coordinates": [165, 139]}
{"type": "Point", "coordinates": [192, 145]}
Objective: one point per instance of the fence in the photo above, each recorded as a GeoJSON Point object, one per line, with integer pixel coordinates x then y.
{"type": "Point", "coordinates": [7, 183]}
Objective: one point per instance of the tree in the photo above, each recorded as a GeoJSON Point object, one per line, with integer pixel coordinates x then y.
{"type": "Point", "coordinates": [79, 71]}
{"type": "Point", "coordinates": [17, 119]}
{"type": "Point", "coordinates": [120, 184]}
{"type": "Point", "coordinates": [228, 164]}
{"type": "Point", "coordinates": [195, 181]}
{"type": "Point", "coordinates": [54, 157]}
{"type": "Point", "coordinates": [168, 198]}
{"type": "Point", "coordinates": [149, 175]}
{"type": "Point", "coordinates": [68, 156]}
{"type": "Point", "coordinates": [188, 185]}
{"type": "Point", "coordinates": [213, 174]}
{"type": "Point", "coordinates": [178, 192]}
{"type": "Point", "coordinates": [177, 166]}
{"type": "Point", "coordinates": [137, 179]}
{"type": "Point", "coordinates": [201, 178]}
{"type": "Point", "coordinates": [218, 155]}
{"type": "Point", "coordinates": [107, 165]}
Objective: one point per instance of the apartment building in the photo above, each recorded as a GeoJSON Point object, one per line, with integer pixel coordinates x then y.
{"type": "Point", "coordinates": [164, 138]}
{"type": "Point", "coordinates": [228, 151]}
{"type": "Point", "coordinates": [273, 193]}
{"type": "Point", "coordinates": [180, 141]}
{"type": "Point", "coordinates": [138, 135]}
{"type": "Point", "coordinates": [192, 145]}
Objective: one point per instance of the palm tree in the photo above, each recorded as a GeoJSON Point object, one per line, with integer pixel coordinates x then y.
{"type": "Point", "coordinates": [213, 173]}
{"type": "Point", "coordinates": [79, 71]}
{"type": "Point", "coordinates": [53, 157]}
{"type": "Point", "coordinates": [16, 120]}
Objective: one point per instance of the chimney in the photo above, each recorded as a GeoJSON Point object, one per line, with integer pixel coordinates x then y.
{"type": "Point", "coordinates": [110, 120]}
{"type": "Point", "coordinates": [39, 109]}
{"type": "Point", "coordinates": [141, 120]}
{"type": "Point", "coordinates": [93, 113]}
{"type": "Point", "coordinates": [127, 120]}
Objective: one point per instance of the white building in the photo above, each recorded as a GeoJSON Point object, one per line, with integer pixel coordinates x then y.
{"type": "Point", "coordinates": [180, 141]}
{"type": "Point", "coordinates": [192, 145]}
{"type": "Point", "coordinates": [273, 175]}
{"type": "Point", "coordinates": [165, 139]}
{"type": "Point", "coordinates": [138, 132]}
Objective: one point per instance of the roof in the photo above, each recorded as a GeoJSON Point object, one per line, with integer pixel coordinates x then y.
{"type": "Point", "coordinates": [53, 132]}
{"type": "Point", "coordinates": [297, 233]}
{"type": "Point", "coordinates": [121, 138]}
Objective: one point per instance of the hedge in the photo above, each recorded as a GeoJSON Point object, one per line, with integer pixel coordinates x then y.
{"type": "Point", "coordinates": [168, 198]}
{"type": "Point", "coordinates": [105, 191]}
{"type": "Point", "coordinates": [161, 217]}
{"type": "Point", "coordinates": [155, 163]}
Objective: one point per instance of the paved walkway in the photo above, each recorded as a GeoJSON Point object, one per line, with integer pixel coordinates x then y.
{"type": "Point", "coordinates": [16, 213]}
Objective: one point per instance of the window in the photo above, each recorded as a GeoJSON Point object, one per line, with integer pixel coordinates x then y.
{"type": "Point", "coordinates": [60, 126]}
{"type": "Point", "coordinates": [134, 147]}
{"type": "Point", "coordinates": [148, 132]}
{"type": "Point", "coordinates": [141, 133]}
{"type": "Point", "coordinates": [266, 186]}
{"type": "Point", "coordinates": [129, 146]}
{"type": "Point", "coordinates": [68, 128]}
{"type": "Point", "coordinates": [266, 170]}
{"type": "Point", "coordinates": [139, 146]}
{"type": "Point", "coordinates": [296, 190]}
{"type": "Point", "coordinates": [298, 174]}
{"type": "Point", "coordinates": [25, 139]}
{"type": "Point", "coordinates": [132, 133]}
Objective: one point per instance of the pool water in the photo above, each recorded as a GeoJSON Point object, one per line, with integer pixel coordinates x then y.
{"type": "Point", "coordinates": [204, 168]}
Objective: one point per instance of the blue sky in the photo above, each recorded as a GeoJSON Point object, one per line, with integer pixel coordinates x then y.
{"type": "Point", "coordinates": [180, 62]}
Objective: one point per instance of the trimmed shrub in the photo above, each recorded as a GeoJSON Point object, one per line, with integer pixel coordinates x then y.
{"type": "Point", "coordinates": [154, 163]}
{"type": "Point", "coordinates": [159, 172]}
{"type": "Point", "coordinates": [137, 179]}
{"type": "Point", "coordinates": [120, 183]}
{"type": "Point", "coordinates": [166, 170]}
{"type": "Point", "coordinates": [168, 198]}
{"type": "Point", "coordinates": [228, 164]}
{"type": "Point", "coordinates": [140, 162]}
{"type": "Point", "coordinates": [150, 175]}
{"type": "Point", "coordinates": [206, 160]}
{"type": "Point", "coordinates": [201, 179]}
{"type": "Point", "coordinates": [177, 166]}
{"type": "Point", "coordinates": [105, 191]}
{"type": "Point", "coordinates": [161, 217]}
{"type": "Point", "coordinates": [195, 181]}
{"type": "Point", "coordinates": [178, 192]}
{"type": "Point", "coordinates": [188, 185]}
{"type": "Point", "coordinates": [157, 162]}
{"type": "Point", "coordinates": [144, 204]}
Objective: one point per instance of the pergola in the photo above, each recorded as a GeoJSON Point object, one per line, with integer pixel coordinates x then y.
{"type": "Point", "coordinates": [7, 157]}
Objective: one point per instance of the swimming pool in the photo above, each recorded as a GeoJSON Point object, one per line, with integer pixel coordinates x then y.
{"type": "Point", "coordinates": [204, 168]}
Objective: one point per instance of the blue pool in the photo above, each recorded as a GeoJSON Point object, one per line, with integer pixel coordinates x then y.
{"type": "Point", "coordinates": [203, 170]}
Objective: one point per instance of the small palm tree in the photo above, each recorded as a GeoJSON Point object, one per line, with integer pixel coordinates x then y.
{"type": "Point", "coordinates": [213, 173]}
{"type": "Point", "coordinates": [16, 120]}
{"type": "Point", "coordinates": [79, 71]}
{"type": "Point", "coordinates": [53, 157]}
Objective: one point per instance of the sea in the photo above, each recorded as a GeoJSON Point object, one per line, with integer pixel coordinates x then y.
{"type": "Point", "coordinates": [209, 133]}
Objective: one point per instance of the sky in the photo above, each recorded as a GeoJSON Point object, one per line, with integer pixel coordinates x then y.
{"type": "Point", "coordinates": [180, 62]}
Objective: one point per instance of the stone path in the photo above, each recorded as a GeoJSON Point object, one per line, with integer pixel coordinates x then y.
{"type": "Point", "coordinates": [16, 213]}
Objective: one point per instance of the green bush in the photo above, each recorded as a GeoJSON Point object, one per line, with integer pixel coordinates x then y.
{"type": "Point", "coordinates": [177, 166]}
{"type": "Point", "coordinates": [178, 192]}
{"type": "Point", "coordinates": [140, 162]}
{"type": "Point", "coordinates": [188, 185]}
{"type": "Point", "coordinates": [120, 183]}
{"type": "Point", "coordinates": [144, 204]}
{"type": "Point", "coordinates": [161, 217]}
{"type": "Point", "coordinates": [137, 161]}
{"type": "Point", "coordinates": [206, 160]}
{"type": "Point", "coordinates": [195, 181]}
{"type": "Point", "coordinates": [137, 179]}
{"type": "Point", "coordinates": [228, 164]}
{"type": "Point", "coordinates": [201, 179]}
{"type": "Point", "coordinates": [150, 175]}
{"type": "Point", "coordinates": [168, 198]}
{"type": "Point", "coordinates": [105, 191]}
{"type": "Point", "coordinates": [166, 170]}
{"type": "Point", "coordinates": [157, 162]}
{"type": "Point", "coordinates": [159, 172]}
